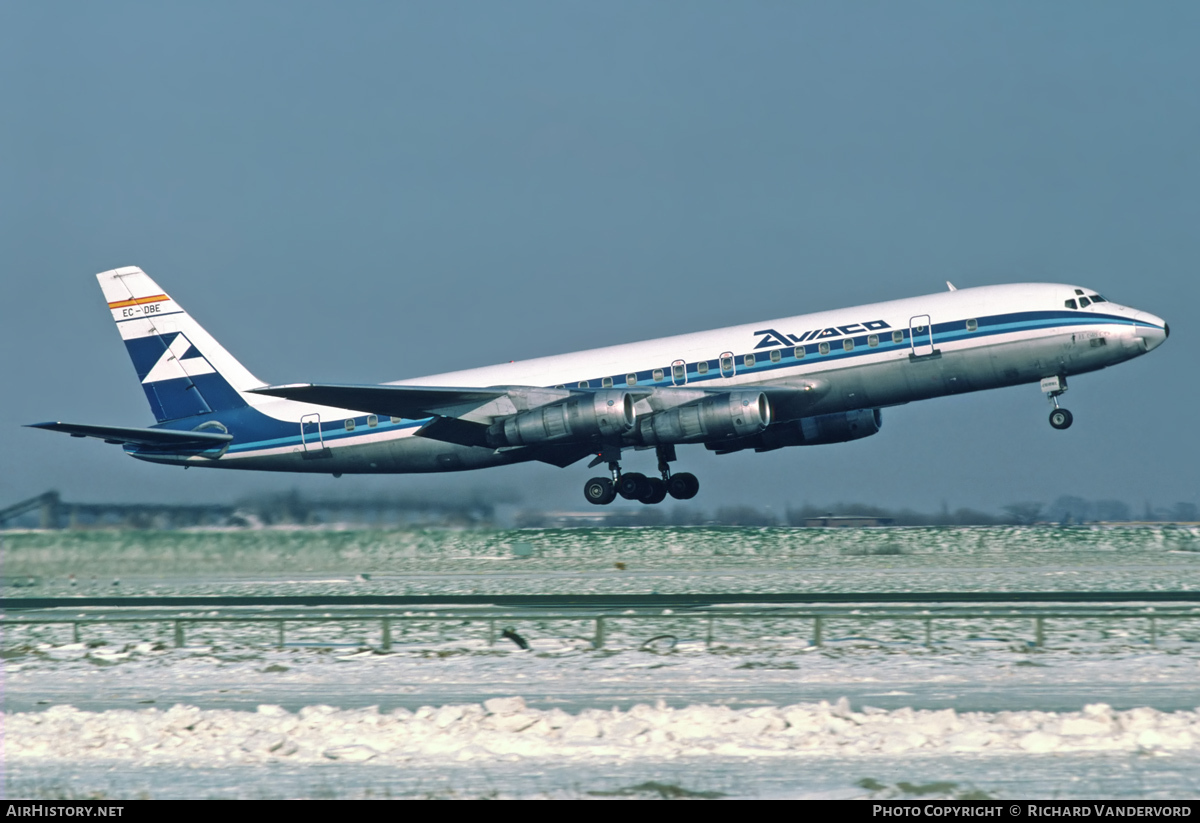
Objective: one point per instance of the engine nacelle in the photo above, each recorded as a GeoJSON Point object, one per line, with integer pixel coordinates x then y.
{"type": "Point", "coordinates": [716, 417]}
{"type": "Point", "coordinates": [606, 414]}
{"type": "Point", "coordinates": [839, 427]}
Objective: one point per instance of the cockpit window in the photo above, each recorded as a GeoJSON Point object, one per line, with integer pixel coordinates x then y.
{"type": "Point", "coordinates": [1096, 298]}
{"type": "Point", "coordinates": [1070, 304]}
{"type": "Point", "coordinates": [1084, 302]}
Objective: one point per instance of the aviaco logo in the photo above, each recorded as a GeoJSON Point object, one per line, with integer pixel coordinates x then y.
{"type": "Point", "coordinates": [776, 338]}
{"type": "Point", "coordinates": [181, 359]}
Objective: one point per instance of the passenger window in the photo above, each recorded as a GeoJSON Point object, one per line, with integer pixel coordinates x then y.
{"type": "Point", "coordinates": [775, 356]}
{"type": "Point", "coordinates": [972, 325]}
{"type": "Point", "coordinates": [606, 383]}
{"type": "Point", "coordinates": [372, 421]}
{"type": "Point", "coordinates": [1084, 302]}
{"type": "Point", "coordinates": [823, 348]}
{"type": "Point", "coordinates": [396, 419]}
{"type": "Point", "coordinates": [631, 379]}
{"type": "Point", "coordinates": [350, 425]}
{"type": "Point", "coordinates": [873, 340]}
{"type": "Point", "coordinates": [583, 384]}
{"type": "Point", "coordinates": [727, 364]}
{"type": "Point", "coordinates": [658, 375]}
{"type": "Point", "coordinates": [678, 372]}
{"type": "Point", "coordinates": [702, 367]}
{"type": "Point", "coordinates": [848, 344]}
{"type": "Point", "coordinates": [897, 337]}
{"type": "Point", "coordinates": [1070, 304]}
{"type": "Point", "coordinates": [800, 351]}
{"type": "Point", "coordinates": [748, 360]}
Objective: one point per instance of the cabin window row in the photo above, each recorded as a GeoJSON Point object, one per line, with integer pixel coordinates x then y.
{"type": "Point", "coordinates": [726, 364]}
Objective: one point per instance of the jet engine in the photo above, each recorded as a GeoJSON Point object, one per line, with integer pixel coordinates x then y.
{"type": "Point", "coordinates": [839, 427]}
{"type": "Point", "coordinates": [606, 414]}
{"type": "Point", "coordinates": [715, 417]}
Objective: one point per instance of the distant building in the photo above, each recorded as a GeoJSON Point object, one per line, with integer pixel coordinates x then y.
{"type": "Point", "coordinates": [846, 522]}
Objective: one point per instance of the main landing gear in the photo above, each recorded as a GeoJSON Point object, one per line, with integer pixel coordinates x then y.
{"type": "Point", "coordinates": [636, 486]}
{"type": "Point", "coordinates": [1060, 418]}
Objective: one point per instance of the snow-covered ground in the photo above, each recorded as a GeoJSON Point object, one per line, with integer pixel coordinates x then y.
{"type": "Point", "coordinates": [852, 719]}
{"type": "Point", "coordinates": [506, 748]}
{"type": "Point", "coordinates": [1103, 710]}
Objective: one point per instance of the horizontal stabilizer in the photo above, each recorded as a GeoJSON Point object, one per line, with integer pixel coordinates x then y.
{"type": "Point", "coordinates": [153, 438]}
{"type": "Point", "coordinates": [411, 402]}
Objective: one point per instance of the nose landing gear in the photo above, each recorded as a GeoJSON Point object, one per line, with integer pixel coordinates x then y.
{"type": "Point", "coordinates": [601, 491]}
{"type": "Point", "coordinates": [1060, 418]}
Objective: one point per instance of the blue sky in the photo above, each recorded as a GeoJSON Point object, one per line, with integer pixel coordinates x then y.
{"type": "Point", "coordinates": [370, 191]}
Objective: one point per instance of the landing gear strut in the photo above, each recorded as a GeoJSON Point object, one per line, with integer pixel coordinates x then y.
{"type": "Point", "coordinates": [637, 486]}
{"type": "Point", "coordinates": [1060, 418]}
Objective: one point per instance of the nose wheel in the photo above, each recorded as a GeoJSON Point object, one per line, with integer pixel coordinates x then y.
{"type": "Point", "coordinates": [601, 491]}
{"type": "Point", "coordinates": [1061, 419]}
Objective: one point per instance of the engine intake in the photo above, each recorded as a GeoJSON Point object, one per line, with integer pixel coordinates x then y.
{"type": "Point", "coordinates": [839, 427]}
{"type": "Point", "coordinates": [716, 417]}
{"type": "Point", "coordinates": [607, 414]}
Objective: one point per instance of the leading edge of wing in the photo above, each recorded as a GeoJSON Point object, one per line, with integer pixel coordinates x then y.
{"type": "Point", "coordinates": [128, 435]}
{"type": "Point", "coordinates": [409, 402]}
{"type": "Point", "coordinates": [418, 402]}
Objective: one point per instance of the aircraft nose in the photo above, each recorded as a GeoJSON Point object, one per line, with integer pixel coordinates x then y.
{"type": "Point", "coordinates": [1152, 330]}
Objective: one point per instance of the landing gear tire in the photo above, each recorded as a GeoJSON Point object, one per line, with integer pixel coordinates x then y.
{"type": "Point", "coordinates": [633, 486]}
{"type": "Point", "coordinates": [683, 486]}
{"type": "Point", "coordinates": [1061, 419]}
{"type": "Point", "coordinates": [656, 491]}
{"type": "Point", "coordinates": [599, 491]}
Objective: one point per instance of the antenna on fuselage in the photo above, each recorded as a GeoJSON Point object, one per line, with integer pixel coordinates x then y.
{"type": "Point", "coordinates": [950, 286]}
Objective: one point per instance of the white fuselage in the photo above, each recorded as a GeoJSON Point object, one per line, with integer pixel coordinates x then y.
{"type": "Point", "coordinates": [864, 357]}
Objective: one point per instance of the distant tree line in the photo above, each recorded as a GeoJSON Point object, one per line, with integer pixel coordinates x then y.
{"type": "Point", "coordinates": [1066, 510]}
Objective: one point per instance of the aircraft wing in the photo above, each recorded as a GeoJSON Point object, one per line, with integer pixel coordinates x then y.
{"type": "Point", "coordinates": [409, 402]}
{"type": "Point", "coordinates": [152, 438]}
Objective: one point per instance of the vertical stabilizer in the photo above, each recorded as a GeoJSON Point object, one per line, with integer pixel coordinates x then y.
{"type": "Point", "coordinates": [183, 370]}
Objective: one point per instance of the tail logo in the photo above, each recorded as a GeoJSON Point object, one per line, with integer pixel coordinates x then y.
{"type": "Point", "coordinates": [181, 359]}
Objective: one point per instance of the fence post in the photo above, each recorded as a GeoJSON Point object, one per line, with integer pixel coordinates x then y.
{"type": "Point", "coordinates": [708, 636]}
{"type": "Point", "coordinates": [928, 632]}
{"type": "Point", "coordinates": [1039, 631]}
{"type": "Point", "coordinates": [598, 642]}
{"type": "Point", "coordinates": [1153, 632]}
{"type": "Point", "coordinates": [386, 645]}
{"type": "Point", "coordinates": [491, 632]}
{"type": "Point", "coordinates": [281, 633]}
{"type": "Point", "coordinates": [816, 631]}
{"type": "Point", "coordinates": [178, 634]}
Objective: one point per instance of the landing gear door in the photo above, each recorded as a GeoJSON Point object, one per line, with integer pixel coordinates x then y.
{"type": "Point", "coordinates": [920, 336]}
{"type": "Point", "coordinates": [310, 433]}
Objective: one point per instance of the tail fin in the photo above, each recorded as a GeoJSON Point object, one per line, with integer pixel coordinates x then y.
{"type": "Point", "coordinates": [183, 370]}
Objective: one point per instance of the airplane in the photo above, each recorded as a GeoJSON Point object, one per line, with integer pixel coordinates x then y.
{"type": "Point", "coordinates": [797, 381]}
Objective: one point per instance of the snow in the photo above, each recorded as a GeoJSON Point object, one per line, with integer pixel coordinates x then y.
{"type": "Point", "coordinates": [507, 729]}
{"type": "Point", "coordinates": [1099, 711]}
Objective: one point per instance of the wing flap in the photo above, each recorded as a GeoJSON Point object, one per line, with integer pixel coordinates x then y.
{"type": "Point", "coordinates": [127, 435]}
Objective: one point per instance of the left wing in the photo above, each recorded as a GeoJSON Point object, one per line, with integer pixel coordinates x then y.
{"type": "Point", "coordinates": [410, 402]}
{"type": "Point", "coordinates": [152, 438]}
